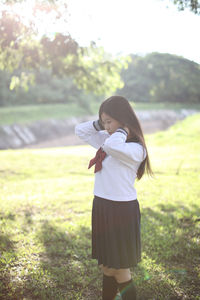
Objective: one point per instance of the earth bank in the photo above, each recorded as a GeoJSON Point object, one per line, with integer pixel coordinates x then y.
{"type": "Point", "coordinates": [58, 133]}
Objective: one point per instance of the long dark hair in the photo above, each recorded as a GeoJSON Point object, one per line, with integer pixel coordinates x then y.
{"type": "Point", "coordinates": [119, 108]}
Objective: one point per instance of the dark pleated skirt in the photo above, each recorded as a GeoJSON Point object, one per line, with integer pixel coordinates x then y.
{"type": "Point", "coordinates": [116, 233]}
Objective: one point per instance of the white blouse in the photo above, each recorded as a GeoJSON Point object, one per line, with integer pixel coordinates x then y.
{"type": "Point", "coordinates": [115, 181]}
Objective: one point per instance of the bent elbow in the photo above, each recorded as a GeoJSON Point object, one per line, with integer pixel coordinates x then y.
{"type": "Point", "coordinates": [77, 130]}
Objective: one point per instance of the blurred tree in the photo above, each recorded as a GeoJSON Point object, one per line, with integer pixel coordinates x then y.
{"type": "Point", "coordinates": [6, 95]}
{"type": "Point", "coordinates": [45, 90]}
{"type": "Point", "coordinates": [193, 5]}
{"type": "Point", "coordinates": [161, 77]}
{"type": "Point", "coordinates": [21, 50]}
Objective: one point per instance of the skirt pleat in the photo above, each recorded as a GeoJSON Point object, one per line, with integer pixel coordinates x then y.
{"type": "Point", "coordinates": [116, 233]}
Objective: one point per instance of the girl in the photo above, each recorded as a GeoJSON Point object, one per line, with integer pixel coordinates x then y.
{"type": "Point", "coordinates": [121, 158]}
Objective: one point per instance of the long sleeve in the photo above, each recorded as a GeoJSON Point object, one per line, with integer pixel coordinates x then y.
{"type": "Point", "coordinates": [115, 181]}
{"type": "Point", "coordinates": [127, 153]}
{"type": "Point", "coordinates": [90, 133]}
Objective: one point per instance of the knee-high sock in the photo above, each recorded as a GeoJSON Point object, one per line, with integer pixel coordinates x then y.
{"type": "Point", "coordinates": [110, 287]}
{"type": "Point", "coordinates": [127, 290]}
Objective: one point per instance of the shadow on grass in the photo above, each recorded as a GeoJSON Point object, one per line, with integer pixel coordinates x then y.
{"type": "Point", "coordinates": [66, 262]}
{"type": "Point", "coordinates": [7, 258]}
{"type": "Point", "coordinates": [63, 268]}
{"type": "Point", "coordinates": [170, 240]}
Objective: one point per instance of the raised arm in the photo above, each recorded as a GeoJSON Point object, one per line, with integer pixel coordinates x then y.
{"type": "Point", "coordinates": [92, 133]}
{"type": "Point", "coordinates": [127, 153]}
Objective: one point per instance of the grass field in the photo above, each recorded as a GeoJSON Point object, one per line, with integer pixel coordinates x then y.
{"type": "Point", "coordinates": [45, 221]}
{"type": "Point", "coordinates": [31, 113]}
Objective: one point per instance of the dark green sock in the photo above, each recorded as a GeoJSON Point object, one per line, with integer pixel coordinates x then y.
{"type": "Point", "coordinates": [127, 290]}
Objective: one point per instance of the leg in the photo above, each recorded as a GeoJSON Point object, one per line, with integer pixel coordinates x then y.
{"type": "Point", "coordinates": [107, 271]}
{"type": "Point", "coordinates": [125, 283]}
{"type": "Point", "coordinates": [122, 275]}
{"type": "Point", "coordinates": [110, 285]}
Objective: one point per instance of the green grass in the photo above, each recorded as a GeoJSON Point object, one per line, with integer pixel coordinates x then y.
{"type": "Point", "coordinates": [31, 113]}
{"type": "Point", "coordinates": [165, 105]}
{"type": "Point", "coordinates": [45, 221]}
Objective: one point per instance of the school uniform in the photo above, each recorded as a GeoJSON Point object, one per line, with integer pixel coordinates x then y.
{"type": "Point", "coordinates": [115, 213]}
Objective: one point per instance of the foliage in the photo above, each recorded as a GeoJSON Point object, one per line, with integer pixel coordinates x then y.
{"type": "Point", "coordinates": [161, 77]}
{"type": "Point", "coordinates": [47, 89]}
{"type": "Point", "coordinates": [23, 53]}
{"type": "Point", "coordinates": [45, 221]}
{"type": "Point", "coordinates": [153, 78]}
{"type": "Point", "coordinates": [193, 5]}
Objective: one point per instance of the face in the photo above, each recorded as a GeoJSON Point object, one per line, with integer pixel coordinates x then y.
{"type": "Point", "coordinates": [110, 124]}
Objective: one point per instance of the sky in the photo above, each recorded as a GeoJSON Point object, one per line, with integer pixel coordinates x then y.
{"type": "Point", "coordinates": [136, 26]}
{"type": "Point", "coordinates": [126, 26]}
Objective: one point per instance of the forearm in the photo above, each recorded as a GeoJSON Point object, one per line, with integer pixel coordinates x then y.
{"type": "Point", "coordinates": [91, 133]}
{"type": "Point", "coordinates": [117, 147]}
